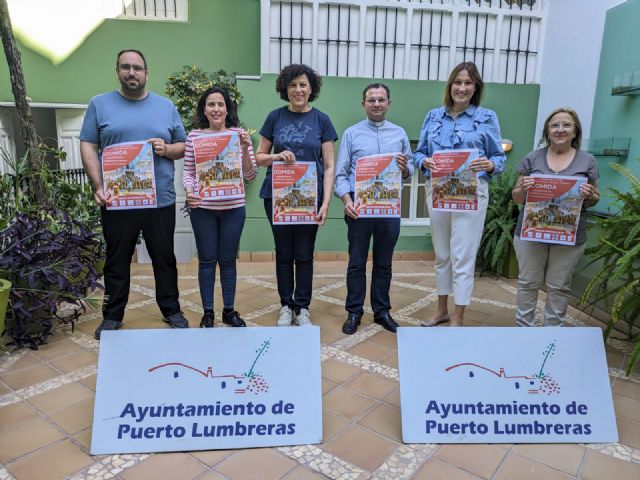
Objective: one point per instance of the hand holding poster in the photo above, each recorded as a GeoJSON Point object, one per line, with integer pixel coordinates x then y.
{"type": "Point", "coordinates": [552, 210]}
{"type": "Point", "coordinates": [378, 186]}
{"type": "Point", "coordinates": [454, 186]}
{"type": "Point", "coordinates": [218, 158]}
{"type": "Point", "coordinates": [128, 177]}
{"type": "Point", "coordinates": [295, 193]}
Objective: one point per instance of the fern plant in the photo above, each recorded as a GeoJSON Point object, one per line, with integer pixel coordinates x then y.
{"type": "Point", "coordinates": [617, 283]}
{"type": "Point", "coordinates": [500, 224]}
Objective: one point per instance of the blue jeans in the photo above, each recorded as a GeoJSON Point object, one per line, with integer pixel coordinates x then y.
{"type": "Point", "coordinates": [294, 244]}
{"type": "Point", "coordinates": [385, 232]}
{"type": "Point", "coordinates": [217, 235]}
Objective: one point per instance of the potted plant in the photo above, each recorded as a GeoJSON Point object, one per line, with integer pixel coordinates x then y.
{"type": "Point", "coordinates": [49, 253]}
{"type": "Point", "coordinates": [496, 253]}
{"type": "Point", "coordinates": [617, 253]}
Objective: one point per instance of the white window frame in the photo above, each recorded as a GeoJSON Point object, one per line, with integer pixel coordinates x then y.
{"type": "Point", "coordinates": [412, 220]}
{"type": "Point", "coordinates": [114, 9]}
{"type": "Point", "coordinates": [500, 14]}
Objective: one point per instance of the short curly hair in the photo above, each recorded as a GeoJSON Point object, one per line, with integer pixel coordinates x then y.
{"type": "Point", "coordinates": [291, 72]}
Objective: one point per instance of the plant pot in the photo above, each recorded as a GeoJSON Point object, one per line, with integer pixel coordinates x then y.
{"type": "Point", "coordinates": [5, 289]}
{"type": "Point", "coordinates": [510, 267]}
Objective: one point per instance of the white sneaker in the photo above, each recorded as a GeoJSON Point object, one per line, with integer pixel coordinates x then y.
{"type": "Point", "coordinates": [303, 318]}
{"type": "Point", "coordinates": [286, 317]}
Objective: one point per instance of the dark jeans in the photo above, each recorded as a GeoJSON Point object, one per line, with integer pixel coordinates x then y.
{"type": "Point", "coordinates": [385, 232]}
{"type": "Point", "coordinates": [217, 235]}
{"type": "Point", "coordinates": [294, 244]}
{"type": "Point", "coordinates": [121, 229]}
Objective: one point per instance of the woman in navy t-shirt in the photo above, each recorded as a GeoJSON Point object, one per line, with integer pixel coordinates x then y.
{"type": "Point", "coordinates": [297, 133]}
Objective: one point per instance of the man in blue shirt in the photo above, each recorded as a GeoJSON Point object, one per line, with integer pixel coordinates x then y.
{"type": "Point", "coordinates": [372, 136]}
{"type": "Point", "coordinates": [133, 114]}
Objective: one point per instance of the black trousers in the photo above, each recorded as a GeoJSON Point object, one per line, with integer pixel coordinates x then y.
{"type": "Point", "coordinates": [121, 229]}
{"type": "Point", "coordinates": [385, 232]}
{"type": "Point", "coordinates": [294, 245]}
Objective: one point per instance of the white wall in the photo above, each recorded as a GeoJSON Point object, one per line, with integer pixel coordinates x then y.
{"type": "Point", "coordinates": [570, 58]}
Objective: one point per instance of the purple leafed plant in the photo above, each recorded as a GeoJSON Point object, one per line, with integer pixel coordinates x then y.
{"type": "Point", "coordinates": [51, 259]}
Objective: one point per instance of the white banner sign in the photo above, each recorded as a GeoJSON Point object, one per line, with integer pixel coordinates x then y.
{"type": "Point", "coordinates": [203, 389]}
{"type": "Point", "coordinates": [504, 385]}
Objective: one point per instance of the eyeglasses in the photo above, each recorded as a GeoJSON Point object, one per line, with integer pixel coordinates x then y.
{"type": "Point", "coordinates": [125, 67]}
{"type": "Point", "coordinates": [563, 126]}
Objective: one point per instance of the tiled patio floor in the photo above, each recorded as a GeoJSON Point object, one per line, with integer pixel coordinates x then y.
{"type": "Point", "coordinates": [46, 397]}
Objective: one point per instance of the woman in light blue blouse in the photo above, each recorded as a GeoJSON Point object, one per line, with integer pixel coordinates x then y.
{"type": "Point", "coordinates": [460, 124]}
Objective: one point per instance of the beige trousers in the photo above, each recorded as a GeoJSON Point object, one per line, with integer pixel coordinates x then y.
{"type": "Point", "coordinates": [551, 264]}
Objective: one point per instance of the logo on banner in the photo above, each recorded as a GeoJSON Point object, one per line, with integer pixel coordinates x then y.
{"type": "Point", "coordinates": [240, 383]}
{"type": "Point", "coordinates": [533, 384]}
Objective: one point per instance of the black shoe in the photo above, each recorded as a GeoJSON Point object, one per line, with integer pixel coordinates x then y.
{"type": "Point", "coordinates": [386, 321]}
{"type": "Point", "coordinates": [207, 320]}
{"type": "Point", "coordinates": [351, 324]}
{"type": "Point", "coordinates": [233, 318]}
{"type": "Point", "coordinates": [176, 320]}
{"type": "Point", "coordinates": [106, 325]}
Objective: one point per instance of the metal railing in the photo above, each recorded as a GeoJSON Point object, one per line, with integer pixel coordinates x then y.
{"type": "Point", "coordinates": [415, 39]}
{"type": "Point", "coordinates": [176, 10]}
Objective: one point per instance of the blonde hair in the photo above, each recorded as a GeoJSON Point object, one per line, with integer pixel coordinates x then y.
{"type": "Point", "coordinates": [577, 140]}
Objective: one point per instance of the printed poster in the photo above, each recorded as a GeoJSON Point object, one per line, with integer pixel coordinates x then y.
{"type": "Point", "coordinates": [163, 390]}
{"type": "Point", "coordinates": [218, 158]}
{"type": "Point", "coordinates": [295, 193]}
{"type": "Point", "coordinates": [127, 176]}
{"type": "Point", "coordinates": [454, 187]}
{"type": "Point", "coordinates": [378, 186]}
{"type": "Point", "coordinates": [552, 210]}
{"type": "Point", "coordinates": [505, 385]}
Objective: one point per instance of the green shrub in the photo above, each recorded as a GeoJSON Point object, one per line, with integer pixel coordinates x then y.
{"type": "Point", "coordinates": [184, 88]}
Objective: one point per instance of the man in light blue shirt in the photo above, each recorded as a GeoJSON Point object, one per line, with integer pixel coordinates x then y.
{"type": "Point", "coordinates": [372, 136]}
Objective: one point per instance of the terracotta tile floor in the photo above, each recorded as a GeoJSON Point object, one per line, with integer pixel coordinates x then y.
{"type": "Point", "coordinates": [46, 397]}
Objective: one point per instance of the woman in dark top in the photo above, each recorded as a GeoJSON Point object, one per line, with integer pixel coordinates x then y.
{"type": "Point", "coordinates": [297, 132]}
{"type": "Point", "coordinates": [546, 262]}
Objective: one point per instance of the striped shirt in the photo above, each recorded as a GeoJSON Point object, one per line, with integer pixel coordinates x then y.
{"type": "Point", "coordinates": [189, 173]}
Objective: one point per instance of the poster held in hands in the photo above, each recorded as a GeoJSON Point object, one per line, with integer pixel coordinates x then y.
{"type": "Point", "coordinates": [218, 159]}
{"type": "Point", "coordinates": [128, 178]}
{"type": "Point", "coordinates": [552, 210]}
{"type": "Point", "coordinates": [295, 193]}
{"type": "Point", "coordinates": [378, 186]}
{"type": "Point", "coordinates": [454, 186]}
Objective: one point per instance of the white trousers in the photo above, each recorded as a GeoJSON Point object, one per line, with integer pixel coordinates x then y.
{"type": "Point", "coordinates": [456, 237]}
{"type": "Point", "coordinates": [551, 264]}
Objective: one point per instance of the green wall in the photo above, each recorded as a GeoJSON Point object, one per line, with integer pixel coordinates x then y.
{"type": "Point", "coordinates": [516, 106]}
{"type": "Point", "coordinates": [219, 34]}
{"type": "Point", "coordinates": [617, 116]}
{"type": "Point", "coordinates": [226, 34]}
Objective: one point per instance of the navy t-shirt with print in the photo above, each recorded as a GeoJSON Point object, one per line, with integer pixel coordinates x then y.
{"type": "Point", "coordinates": [300, 133]}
